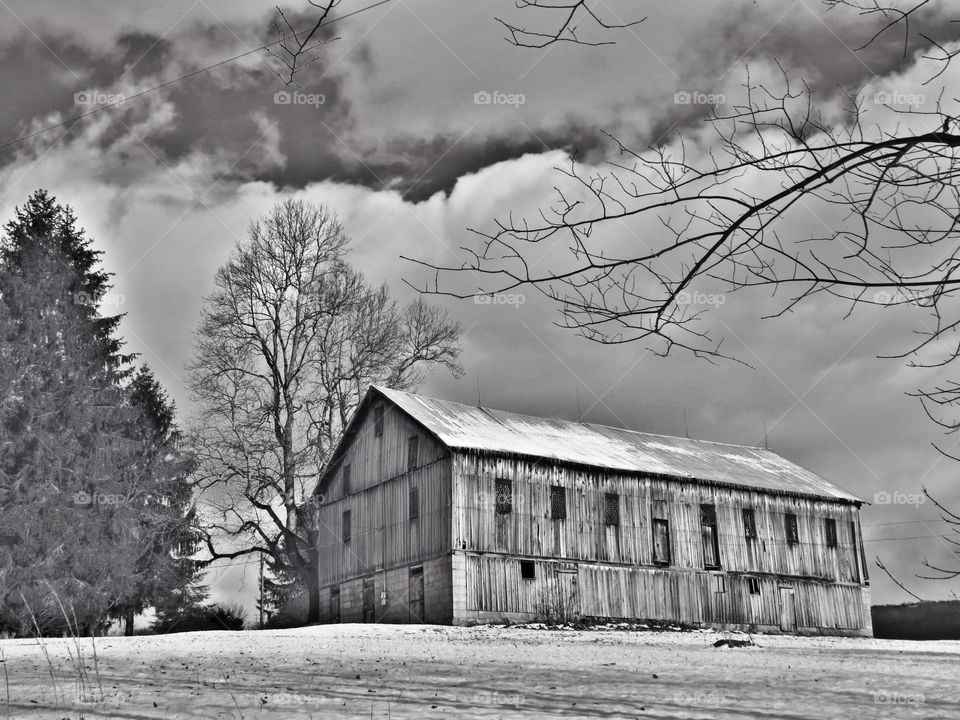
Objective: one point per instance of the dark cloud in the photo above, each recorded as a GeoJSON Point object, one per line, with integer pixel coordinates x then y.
{"type": "Point", "coordinates": [831, 51]}
{"type": "Point", "coordinates": [36, 82]}
{"type": "Point", "coordinates": [420, 167]}
{"type": "Point", "coordinates": [217, 113]}
{"type": "Point", "coordinates": [144, 54]}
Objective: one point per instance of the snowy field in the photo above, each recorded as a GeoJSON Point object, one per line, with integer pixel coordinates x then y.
{"type": "Point", "coordinates": [383, 671]}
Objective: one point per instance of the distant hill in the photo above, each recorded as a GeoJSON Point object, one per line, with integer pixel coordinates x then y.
{"type": "Point", "coordinates": [918, 621]}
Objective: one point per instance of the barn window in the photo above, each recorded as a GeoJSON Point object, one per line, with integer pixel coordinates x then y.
{"type": "Point", "coordinates": [346, 479]}
{"type": "Point", "coordinates": [708, 531]}
{"type": "Point", "coordinates": [793, 530]}
{"type": "Point", "coordinates": [749, 524]}
{"type": "Point", "coordinates": [503, 496]}
{"type": "Point", "coordinates": [345, 527]}
{"type": "Point", "coordinates": [558, 502]}
{"type": "Point", "coordinates": [414, 503]}
{"type": "Point", "coordinates": [611, 509]}
{"type": "Point", "coordinates": [661, 542]}
{"type": "Point", "coordinates": [754, 585]}
{"type": "Point", "coordinates": [377, 420]}
{"type": "Point", "coordinates": [830, 530]}
{"type": "Point", "coordinates": [528, 570]}
{"type": "Point", "coordinates": [413, 448]}
{"type": "Point", "coordinates": [718, 584]}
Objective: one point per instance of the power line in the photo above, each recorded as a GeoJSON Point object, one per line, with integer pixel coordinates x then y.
{"type": "Point", "coordinates": [901, 522]}
{"type": "Point", "coordinates": [117, 103]}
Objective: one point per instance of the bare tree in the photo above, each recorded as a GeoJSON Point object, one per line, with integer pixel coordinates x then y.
{"type": "Point", "coordinates": [716, 225]}
{"type": "Point", "coordinates": [722, 203]}
{"type": "Point", "coordinates": [288, 342]}
{"type": "Point", "coordinates": [952, 520]}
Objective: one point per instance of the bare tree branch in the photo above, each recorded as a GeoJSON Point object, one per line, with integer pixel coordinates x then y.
{"type": "Point", "coordinates": [570, 12]}
{"type": "Point", "coordinates": [295, 48]}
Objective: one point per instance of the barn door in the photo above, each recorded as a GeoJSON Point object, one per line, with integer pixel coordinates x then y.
{"type": "Point", "coordinates": [335, 605]}
{"type": "Point", "coordinates": [788, 610]}
{"type": "Point", "coordinates": [369, 604]}
{"type": "Point", "coordinates": [416, 595]}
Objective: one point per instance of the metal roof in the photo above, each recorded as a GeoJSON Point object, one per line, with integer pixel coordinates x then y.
{"type": "Point", "coordinates": [470, 428]}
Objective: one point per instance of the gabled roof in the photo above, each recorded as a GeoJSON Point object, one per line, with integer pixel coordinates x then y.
{"type": "Point", "coordinates": [474, 429]}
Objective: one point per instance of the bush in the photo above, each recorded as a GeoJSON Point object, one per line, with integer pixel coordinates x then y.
{"type": "Point", "coordinates": [554, 606]}
{"type": "Point", "coordinates": [285, 619]}
{"type": "Point", "coordinates": [220, 616]}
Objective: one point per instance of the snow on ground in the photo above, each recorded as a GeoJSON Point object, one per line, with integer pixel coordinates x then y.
{"type": "Point", "coordinates": [390, 671]}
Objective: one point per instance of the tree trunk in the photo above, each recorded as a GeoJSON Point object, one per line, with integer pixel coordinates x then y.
{"type": "Point", "coordinates": [128, 615]}
{"type": "Point", "coordinates": [313, 595]}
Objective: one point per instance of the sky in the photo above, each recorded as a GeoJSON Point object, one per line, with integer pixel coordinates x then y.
{"type": "Point", "coordinates": [389, 129]}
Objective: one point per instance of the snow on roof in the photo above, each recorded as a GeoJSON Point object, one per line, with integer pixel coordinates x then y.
{"type": "Point", "coordinates": [471, 428]}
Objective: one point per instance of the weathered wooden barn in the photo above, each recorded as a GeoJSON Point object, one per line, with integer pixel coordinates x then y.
{"type": "Point", "coordinates": [434, 511]}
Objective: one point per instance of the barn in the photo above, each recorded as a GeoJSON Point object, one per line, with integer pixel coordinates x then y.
{"type": "Point", "coordinates": [439, 512]}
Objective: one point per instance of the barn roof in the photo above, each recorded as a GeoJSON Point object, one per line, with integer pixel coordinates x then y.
{"type": "Point", "coordinates": [470, 428]}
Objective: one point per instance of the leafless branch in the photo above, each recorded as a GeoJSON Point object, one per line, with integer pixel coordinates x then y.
{"type": "Point", "coordinates": [296, 48]}
{"type": "Point", "coordinates": [570, 12]}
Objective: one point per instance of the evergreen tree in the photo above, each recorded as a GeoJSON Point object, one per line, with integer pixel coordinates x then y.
{"type": "Point", "coordinates": [168, 577]}
{"type": "Point", "coordinates": [283, 602]}
{"type": "Point", "coordinates": [71, 476]}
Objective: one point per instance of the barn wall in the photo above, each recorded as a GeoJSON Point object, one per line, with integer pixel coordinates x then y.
{"type": "Point", "coordinates": [529, 530]}
{"type": "Point", "coordinates": [392, 597]}
{"type": "Point", "coordinates": [495, 591]}
{"type": "Point", "coordinates": [615, 573]}
{"type": "Point", "coordinates": [374, 459]}
{"type": "Point", "coordinates": [386, 541]}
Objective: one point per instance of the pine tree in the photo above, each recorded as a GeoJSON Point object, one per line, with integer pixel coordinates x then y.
{"type": "Point", "coordinates": [168, 577]}
{"type": "Point", "coordinates": [283, 602]}
{"type": "Point", "coordinates": [71, 475]}
{"type": "Point", "coordinates": [43, 226]}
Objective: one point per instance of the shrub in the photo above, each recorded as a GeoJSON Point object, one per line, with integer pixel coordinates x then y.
{"type": "Point", "coordinates": [554, 606]}
{"type": "Point", "coordinates": [220, 616]}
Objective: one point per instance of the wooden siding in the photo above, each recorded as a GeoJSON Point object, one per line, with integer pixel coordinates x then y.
{"type": "Point", "coordinates": [383, 535]}
{"type": "Point", "coordinates": [529, 531]}
{"type": "Point", "coordinates": [375, 459]}
{"type": "Point", "coordinates": [391, 594]}
{"type": "Point", "coordinates": [494, 586]}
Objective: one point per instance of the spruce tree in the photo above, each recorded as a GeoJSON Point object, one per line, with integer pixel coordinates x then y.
{"type": "Point", "coordinates": [71, 475]}
{"type": "Point", "coordinates": [167, 577]}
